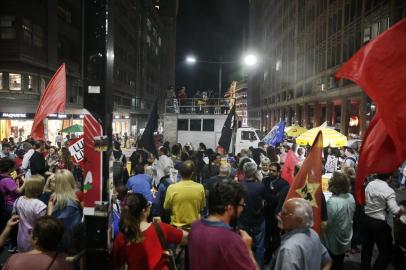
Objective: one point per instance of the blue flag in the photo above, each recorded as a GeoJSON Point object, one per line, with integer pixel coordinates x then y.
{"type": "Point", "coordinates": [276, 135]}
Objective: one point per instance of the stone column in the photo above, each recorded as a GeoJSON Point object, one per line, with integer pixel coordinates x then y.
{"type": "Point", "coordinates": [317, 114]}
{"type": "Point", "coordinates": [289, 116]}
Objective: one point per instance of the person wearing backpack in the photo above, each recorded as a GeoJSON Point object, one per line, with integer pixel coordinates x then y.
{"type": "Point", "coordinates": [350, 158]}
{"type": "Point", "coordinates": [120, 173]}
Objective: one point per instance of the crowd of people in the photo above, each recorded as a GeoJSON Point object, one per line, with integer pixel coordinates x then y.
{"type": "Point", "coordinates": [192, 208]}
{"type": "Point", "coordinates": [41, 204]}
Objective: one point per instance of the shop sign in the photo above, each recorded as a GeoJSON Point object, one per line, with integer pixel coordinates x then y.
{"type": "Point", "coordinates": [14, 115]}
{"type": "Point", "coordinates": [77, 149]}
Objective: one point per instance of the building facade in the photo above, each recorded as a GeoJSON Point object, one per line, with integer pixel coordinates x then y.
{"type": "Point", "coordinates": [36, 37]}
{"type": "Point", "coordinates": [303, 43]}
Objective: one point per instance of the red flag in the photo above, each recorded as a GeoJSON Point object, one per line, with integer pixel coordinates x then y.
{"type": "Point", "coordinates": [307, 183]}
{"type": "Point", "coordinates": [289, 167]}
{"type": "Point", "coordinates": [378, 68]}
{"type": "Point", "coordinates": [376, 155]}
{"type": "Point", "coordinates": [52, 101]}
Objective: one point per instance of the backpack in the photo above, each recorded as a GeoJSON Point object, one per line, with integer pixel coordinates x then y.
{"type": "Point", "coordinates": [118, 171]}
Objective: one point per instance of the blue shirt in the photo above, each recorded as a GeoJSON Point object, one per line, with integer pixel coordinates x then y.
{"type": "Point", "coordinates": [301, 249]}
{"type": "Point", "coordinates": [141, 183]}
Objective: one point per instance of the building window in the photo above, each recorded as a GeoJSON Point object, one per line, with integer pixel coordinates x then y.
{"type": "Point", "coordinates": [148, 24]}
{"type": "Point", "coordinates": [367, 34]}
{"type": "Point", "coordinates": [32, 83]}
{"type": "Point", "coordinates": [42, 85]}
{"type": "Point", "coordinates": [27, 31]}
{"type": "Point", "coordinates": [38, 37]}
{"type": "Point", "coordinates": [248, 136]}
{"type": "Point", "coordinates": [7, 27]}
{"type": "Point", "coordinates": [195, 124]}
{"type": "Point", "coordinates": [15, 81]}
{"type": "Point", "coordinates": [208, 124]}
{"type": "Point", "coordinates": [148, 38]}
{"type": "Point", "coordinates": [183, 124]}
{"type": "Point", "coordinates": [1, 80]}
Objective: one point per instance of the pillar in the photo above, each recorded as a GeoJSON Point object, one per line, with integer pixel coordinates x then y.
{"type": "Point", "coordinates": [362, 114]}
{"type": "Point", "coordinates": [317, 114]}
{"type": "Point", "coordinates": [306, 115]}
{"type": "Point", "coordinates": [289, 116]}
{"type": "Point", "coordinates": [329, 108]}
{"type": "Point", "coordinates": [344, 116]}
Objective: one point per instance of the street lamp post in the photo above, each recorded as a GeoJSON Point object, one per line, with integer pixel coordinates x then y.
{"type": "Point", "coordinates": [249, 60]}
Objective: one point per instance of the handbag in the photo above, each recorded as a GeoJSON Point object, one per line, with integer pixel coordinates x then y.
{"type": "Point", "coordinates": [171, 262]}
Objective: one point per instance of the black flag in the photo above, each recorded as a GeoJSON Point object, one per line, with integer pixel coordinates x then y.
{"type": "Point", "coordinates": [147, 139]}
{"type": "Point", "coordinates": [227, 131]}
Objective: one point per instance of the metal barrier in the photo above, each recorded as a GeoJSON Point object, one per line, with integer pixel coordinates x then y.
{"type": "Point", "coordinates": [197, 106]}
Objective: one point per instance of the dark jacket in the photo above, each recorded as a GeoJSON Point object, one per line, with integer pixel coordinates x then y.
{"type": "Point", "coordinates": [278, 188]}
{"type": "Point", "coordinates": [38, 164]}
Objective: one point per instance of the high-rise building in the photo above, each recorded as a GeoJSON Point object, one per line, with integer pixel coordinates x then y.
{"type": "Point", "coordinates": [303, 43]}
{"type": "Point", "coordinates": [37, 36]}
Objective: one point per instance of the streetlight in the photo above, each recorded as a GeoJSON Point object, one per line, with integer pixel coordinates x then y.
{"type": "Point", "coordinates": [248, 60]}
{"type": "Point", "coordinates": [190, 59]}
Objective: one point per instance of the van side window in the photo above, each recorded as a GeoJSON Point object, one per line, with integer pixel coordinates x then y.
{"type": "Point", "coordinates": [248, 136]}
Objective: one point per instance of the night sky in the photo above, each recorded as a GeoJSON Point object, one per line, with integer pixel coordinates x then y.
{"type": "Point", "coordinates": [209, 29]}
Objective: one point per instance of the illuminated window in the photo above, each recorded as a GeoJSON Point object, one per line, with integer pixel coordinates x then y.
{"type": "Point", "coordinates": [15, 81]}
{"type": "Point", "coordinates": [27, 30]}
{"type": "Point", "coordinates": [1, 81]}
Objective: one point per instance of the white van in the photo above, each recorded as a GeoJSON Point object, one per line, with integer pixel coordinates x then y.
{"type": "Point", "coordinates": [245, 138]}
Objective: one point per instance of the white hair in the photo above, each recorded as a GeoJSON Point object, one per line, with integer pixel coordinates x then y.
{"type": "Point", "coordinates": [304, 211]}
{"type": "Point", "coordinates": [250, 168]}
{"type": "Point", "coordinates": [265, 160]}
{"type": "Point", "coordinates": [225, 169]}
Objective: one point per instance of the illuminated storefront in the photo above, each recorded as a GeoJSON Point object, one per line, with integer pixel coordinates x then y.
{"type": "Point", "coordinates": [18, 125]}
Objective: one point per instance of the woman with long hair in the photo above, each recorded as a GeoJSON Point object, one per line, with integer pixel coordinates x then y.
{"type": "Point", "coordinates": [137, 243]}
{"type": "Point", "coordinates": [52, 158]}
{"type": "Point", "coordinates": [66, 160]}
{"type": "Point", "coordinates": [29, 208]}
{"type": "Point", "coordinates": [65, 205]}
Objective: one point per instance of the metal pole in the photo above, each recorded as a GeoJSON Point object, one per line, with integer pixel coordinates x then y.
{"type": "Point", "coordinates": [220, 74]}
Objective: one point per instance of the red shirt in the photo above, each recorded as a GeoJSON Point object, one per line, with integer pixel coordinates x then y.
{"type": "Point", "coordinates": [146, 254]}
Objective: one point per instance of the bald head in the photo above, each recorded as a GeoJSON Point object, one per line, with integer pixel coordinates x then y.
{"type": "Point", "coordinates": [187, 169]}
{"type": "Point", "coordinates": [296, 213]}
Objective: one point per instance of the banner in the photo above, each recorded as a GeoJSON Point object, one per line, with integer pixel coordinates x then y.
{"type": "Point", "coordinates": [76, 148]}
{"type": "Point", "coordinates": [92, 166]}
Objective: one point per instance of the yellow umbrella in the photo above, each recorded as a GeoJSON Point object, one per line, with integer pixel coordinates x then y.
{"type": "Point", "coordinates": [294, 131]}
{"type": "Point", "coordinates": [330, 137]}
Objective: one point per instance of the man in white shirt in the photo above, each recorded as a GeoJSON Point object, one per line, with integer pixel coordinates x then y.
{"type": "Point", "coordinates": [163, 162]}
{"type": "Point", "coordinates": [379, 200]}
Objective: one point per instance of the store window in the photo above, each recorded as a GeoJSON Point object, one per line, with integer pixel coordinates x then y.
{"type": "Point", "coordinates": [7, 24]}
{"type": "Point", "coordinates": [27, 31]}
{"type": "Point", "coordinates": [248, 135]}
{"type": "Point", "coordinates": [15, 81]}
{"type": "Point", "coordinates": [38, 37]}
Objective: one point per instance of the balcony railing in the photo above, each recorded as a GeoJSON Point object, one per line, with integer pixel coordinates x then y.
{"type": "Point", "coordinates": [197, 106]}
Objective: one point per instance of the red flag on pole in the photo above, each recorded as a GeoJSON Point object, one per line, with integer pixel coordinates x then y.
{"type": "Point", "coordinates": [52, 101]}
{"type": "Point", "coordinates": [307, 183]}
{"type": "Point", "coordinates": [289, 167]}
{"type": "Point", "coordinates": [378, 68]}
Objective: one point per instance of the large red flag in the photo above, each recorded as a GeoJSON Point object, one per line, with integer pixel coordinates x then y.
{"type": "Point", "coordinates": [289, 167]}
{"type": "Point", "coordinates": [378, 68]}
{"type": "Point", "coordinates": [307, 183]}
{"type": "Point", "coordinates": [376, 155]}
{"type": "Point", "coordinates": [52, 101]}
